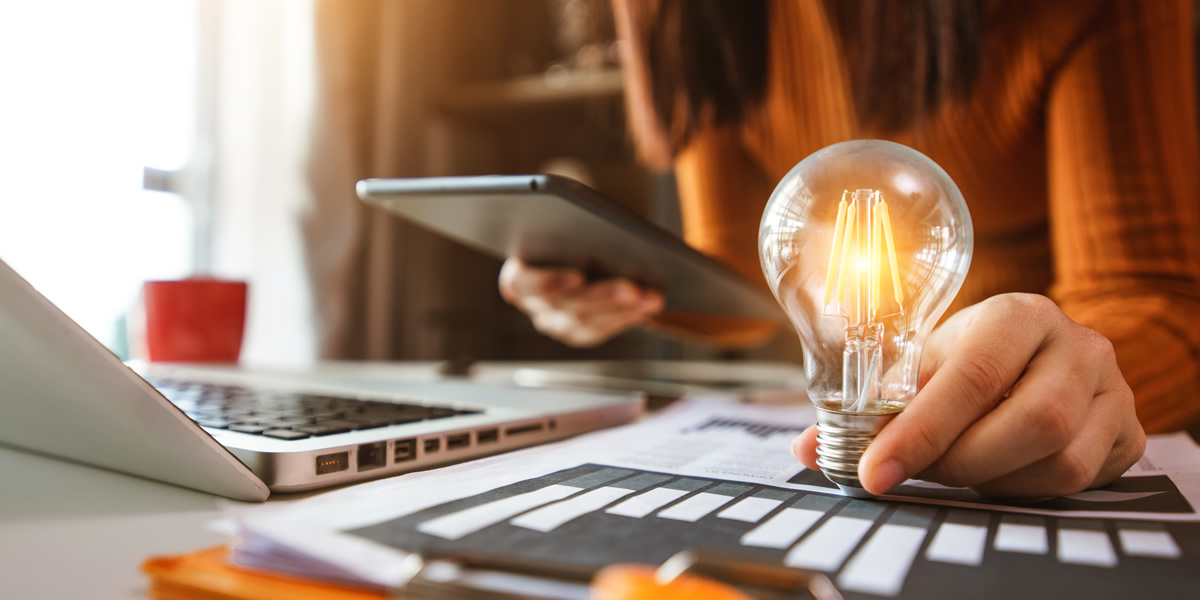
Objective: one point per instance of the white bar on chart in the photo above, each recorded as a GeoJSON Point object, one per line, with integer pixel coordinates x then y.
{"type": "Point", "coordinates": [750, 509]}
{"type": "Point", "coordinates": [961, 539]}
{"type": "Point", "coordinates": [464, 522]}
{"type": "Point", "coordinates": [828, 546]}
{"type": "Point", "coordinates": [549, 518]}
{"type": "Point", "coordinates": [881, 565]}
{"type": "Point", "coordinates": [783, 529]}
{"type": "Point", "coordinates": [1021, 533]}
{"type": "Point", "coordinates": [1085, 543]}
{"type": "Point", "coordinates": [1150, 540]}
{"type": "Point", "coordinates": [695, 508]}
{"type": "Point", "coordinates": [893, 549]}
{"type": "Point", "coordinates": [644, 504]}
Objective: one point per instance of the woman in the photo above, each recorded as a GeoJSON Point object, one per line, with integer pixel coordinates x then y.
{"type": "Point", "coordinates": [1070, 128]}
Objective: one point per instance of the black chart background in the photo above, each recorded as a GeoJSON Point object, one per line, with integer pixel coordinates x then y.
{"type": "Point", "coordinates": [1167, 498]}
{"type": "Point", "coordinates": [598, 538]}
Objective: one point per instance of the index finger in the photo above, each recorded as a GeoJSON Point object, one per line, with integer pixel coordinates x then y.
{"type": "Point", "coordinates": [978, 370]}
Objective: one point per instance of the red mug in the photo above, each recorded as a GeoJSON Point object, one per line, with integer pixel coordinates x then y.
{"type": "Point", "coordinates": [194, 320]}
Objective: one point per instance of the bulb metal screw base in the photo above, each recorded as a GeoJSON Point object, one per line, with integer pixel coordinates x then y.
{"type": "Point", "coordinates": [842, 439]}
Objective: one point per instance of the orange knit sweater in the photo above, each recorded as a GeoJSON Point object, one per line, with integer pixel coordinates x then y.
{"type": "Point", "coordinates": [1077, 155]}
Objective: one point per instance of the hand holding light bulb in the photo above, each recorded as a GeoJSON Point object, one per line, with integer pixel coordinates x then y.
{"type": "Point", "coordinates": [865, 244]}
{"type": "Point", "coordinates": [1017, 401]}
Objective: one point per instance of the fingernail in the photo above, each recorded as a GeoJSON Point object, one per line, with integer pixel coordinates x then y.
{"type": "Point", "coordinates": [798, 447]}
{"type": "Point", "coordinates": [884, 477]}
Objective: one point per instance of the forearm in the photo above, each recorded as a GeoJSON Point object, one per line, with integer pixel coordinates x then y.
{"type": "Point", "coordinates": [1157, 347]}
{"type": "Point", "coordinates": [722, 192]}
{"type": "Point", "coordinates": [1121, 124]}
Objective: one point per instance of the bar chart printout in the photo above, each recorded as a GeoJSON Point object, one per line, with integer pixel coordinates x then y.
{"type": "Point", "coordinates": [595, 515]}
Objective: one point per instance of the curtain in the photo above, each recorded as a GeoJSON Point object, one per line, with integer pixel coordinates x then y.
{"type": "Point", "coordinates": [377, 64]}
{"type": "Point", "coordinates": [256, 95]}
{"type": "Point", "coordinates": [384, 289]}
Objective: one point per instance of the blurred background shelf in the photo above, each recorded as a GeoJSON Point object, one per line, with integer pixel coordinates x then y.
{"type": "Point", "coordinates": [557, 94]}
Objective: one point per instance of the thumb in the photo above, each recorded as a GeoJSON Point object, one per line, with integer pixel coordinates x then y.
{"type": "Point", "coordinates": [804, 448]}
{"type": "Point", "coordinates": [976, 368]}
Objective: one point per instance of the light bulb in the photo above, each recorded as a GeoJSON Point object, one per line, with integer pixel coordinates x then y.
{"type": "Point", "coordinates": [864, 243]}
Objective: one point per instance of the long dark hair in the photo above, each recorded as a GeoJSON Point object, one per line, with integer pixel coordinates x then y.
{"type": "Point", "coordinates": [705, 61]}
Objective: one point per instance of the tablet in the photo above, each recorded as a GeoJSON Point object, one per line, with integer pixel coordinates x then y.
{"type": "Point", "coordinates": [547, 220]}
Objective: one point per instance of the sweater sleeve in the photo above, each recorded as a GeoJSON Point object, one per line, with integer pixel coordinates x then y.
{"type": "Point", "coordinates": [722, 192]}
{"type": "Point", "coordinates": [1124, 202]}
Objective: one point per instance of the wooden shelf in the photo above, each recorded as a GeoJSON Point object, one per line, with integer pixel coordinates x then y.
{"type": "Point", "coordinates": [543, 96]}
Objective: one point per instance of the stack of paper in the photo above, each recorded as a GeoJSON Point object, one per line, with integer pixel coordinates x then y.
{"type": "Point", "coordinates": [720, 476]}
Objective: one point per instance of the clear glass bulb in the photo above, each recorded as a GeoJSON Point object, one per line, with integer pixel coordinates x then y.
{"type": "Point", "coordinates": [864, 243]}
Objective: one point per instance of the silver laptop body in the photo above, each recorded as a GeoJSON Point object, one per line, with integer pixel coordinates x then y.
{"type": "Point", "coordinates": [62, 393]}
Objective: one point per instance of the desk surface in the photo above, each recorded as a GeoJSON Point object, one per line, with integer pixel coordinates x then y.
{"type": "Point", "coordinates": [74, 531]}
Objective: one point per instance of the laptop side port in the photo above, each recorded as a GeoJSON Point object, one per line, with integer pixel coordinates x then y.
{"type": "Point", "coordinates": [372, 456]}
{"type": "Point", "coordinates": [332, 463]}
{"type": "Point", "coordinates": [432, 445]}
{"type": "Point", "coordinates": [405, 450]}
{"type": "Point", "coordinates": [520, 429]}
{"type": "Point", "coordinates": [487, 436]}
{"type": "Point", "coordinates": [458, 440]}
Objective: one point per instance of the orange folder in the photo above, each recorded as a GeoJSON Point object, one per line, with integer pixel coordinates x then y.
{"type": "Point", "coordinates": [205, 575]}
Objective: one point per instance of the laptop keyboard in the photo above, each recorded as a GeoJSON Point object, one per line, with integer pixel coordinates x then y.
{"type": "Point", "coordinates": [289, 416]}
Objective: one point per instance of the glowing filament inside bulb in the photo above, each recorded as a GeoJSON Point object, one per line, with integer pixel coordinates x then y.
{"type": "Point", "coordinates": [862, 238]}
{"type": "Point", "coordinates": [857, 253]}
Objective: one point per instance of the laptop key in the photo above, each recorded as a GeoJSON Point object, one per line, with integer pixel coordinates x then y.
{"type": "Point", "coordinates": [327, 414]}
{"type": "Point", "coordinates": [414, 412]}
{"type": "Point", "coordinates": [284, 423]}
{"type": "Point", "coordinates": [276, 414]}
{"type": "Point", "coordinates": [337, 422]}
{"type": "Point", "coordinates": [316, 402]}
{"type": "Point", "coordinates": [214, 423]}
{"type": "Point", "coordinates": [246, 421]}
{"type": "Point", "coordinates": [248, 428]}
{"type": "Point", "coordinates": [367, 424]}
{"type": "Point", "coordinates": [320, 429]}
{"type": "Point", "coordinates": [285, 434]}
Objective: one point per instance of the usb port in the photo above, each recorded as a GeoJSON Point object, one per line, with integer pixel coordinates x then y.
{"type": "Point", "coordinates": [405, 450]}
{"type": "Point", "coordinates": [372, 456]}
{"type": "Point", "coordinates": [458, 440]}
{"type": "Point", "coordinates": [487, 436]}
{"type": "Point", "coordinates": [332, 463]}
{"type": "Point", "coordinates": [432, 445]}
{"type": "Point", "coordinates": [531, 428]}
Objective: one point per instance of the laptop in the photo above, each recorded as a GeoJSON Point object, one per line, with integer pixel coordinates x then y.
{"type": "Point", "coordinates": [242, 435]}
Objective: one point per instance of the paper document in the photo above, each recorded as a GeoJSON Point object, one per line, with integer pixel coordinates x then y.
{"type": "Point", "coordinates": [721, 476]}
